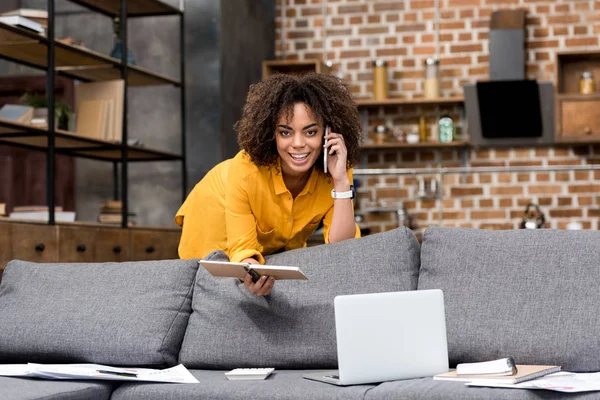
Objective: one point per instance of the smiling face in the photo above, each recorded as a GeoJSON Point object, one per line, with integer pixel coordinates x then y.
{"type": "Point", "coordinates": [299, 141]}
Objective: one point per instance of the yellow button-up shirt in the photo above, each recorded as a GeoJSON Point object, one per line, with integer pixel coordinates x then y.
{"type": "Point", "coordinates": [260, 215]}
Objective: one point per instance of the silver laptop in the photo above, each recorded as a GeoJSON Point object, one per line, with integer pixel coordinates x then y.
{"type": "Point", "coordinates": [388, 336]}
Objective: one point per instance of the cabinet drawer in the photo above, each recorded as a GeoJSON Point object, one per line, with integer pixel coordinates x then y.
{"type": "Point", "coordinates": [171, 245]}
{"type": "Point", "coordinates": [147, 245]}
{"type": "Point", "coordinates": [38, 243]}
{"type": "Point", "coordinates": [112, 245]}
{"type": "Point", "coordinates": [580, 118]}
{"type": "Point", "coordinates": [76, 244]}
{"type": "Point", "coordinates": [5, 247]}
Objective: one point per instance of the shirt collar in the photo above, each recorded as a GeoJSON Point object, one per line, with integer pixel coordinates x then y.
{"type": "Point", "coordinates": [279, 185]}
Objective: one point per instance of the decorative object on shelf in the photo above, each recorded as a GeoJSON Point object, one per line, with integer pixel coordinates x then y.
{"type": "Point", "coordinates": [404, 219]}
{"type": "Point", "coordinates": [412, 137]}
{"type": "Point", "coordinates": [432, 78]}
{"type": "Point", "coordinates": [586, 83]}
{"type": "Point", "coordinates": [117, 50]}
{"type": "Point", "coordinates": [381, 134]}
{"type": "Point", "coordinates": [39, 102]}
{"type": "Point", "coordinates": [380, 80]}
{"type": "Point", "coordinates": [533, 218]}
{"type": "Point", "coordinates": [400, 136]}
{"type": "Point", "coordinates": [446, 129]}
{"type": "Point", "coordinates": [574, 226]}
{"type": "Point", "coordinates": [428, 188]}
{"type": "Point", "coordinates": [422, 129]}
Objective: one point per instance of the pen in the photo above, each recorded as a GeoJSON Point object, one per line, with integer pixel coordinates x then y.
{"type": "Point", "coordinates": [127, 374]}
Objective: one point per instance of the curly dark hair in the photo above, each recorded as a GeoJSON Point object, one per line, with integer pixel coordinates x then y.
{"type": "Point", "coordinates": [328, 97]}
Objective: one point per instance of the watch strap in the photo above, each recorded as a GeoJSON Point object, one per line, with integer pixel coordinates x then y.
{"type": "Point", "coordinates": [349, 194]}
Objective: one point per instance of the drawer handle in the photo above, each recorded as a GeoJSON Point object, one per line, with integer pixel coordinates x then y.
{"type": "Point", "coordinates": [40, 247]}
{"type": "Point", "coordinates": [80, 248]}
{"type": "Point", "coordinates": [587, 130]}
{"type": "Point", "coordinates": [150, 249]}
{"type": "Point", "coordinates": [117, 249]}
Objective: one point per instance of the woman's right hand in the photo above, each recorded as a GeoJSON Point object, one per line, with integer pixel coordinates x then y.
{"type": "Point", "coordinates": [262, 286]}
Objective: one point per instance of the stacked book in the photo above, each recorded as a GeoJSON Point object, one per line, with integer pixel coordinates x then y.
{"type": "Point", "coordinates": [40, 213]}
{"type": "Point", "coordinates": [31, 19]}
{"type": "Point", "coordinates": [99, 110]}
{"type": "Point", "coordinates": [2, 209]}
{"type": "Point", "coordinates": [111, 213]}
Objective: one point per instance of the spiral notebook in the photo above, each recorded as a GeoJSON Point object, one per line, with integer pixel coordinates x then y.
{"type": "Point", "coordinates": [524, 373]}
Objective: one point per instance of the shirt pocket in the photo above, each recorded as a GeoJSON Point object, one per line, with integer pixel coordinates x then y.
{"type": "Point", "coordinates": [270, 240]}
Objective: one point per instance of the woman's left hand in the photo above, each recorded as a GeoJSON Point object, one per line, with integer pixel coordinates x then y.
{"type": "Point", "coordinates": [337, 156]}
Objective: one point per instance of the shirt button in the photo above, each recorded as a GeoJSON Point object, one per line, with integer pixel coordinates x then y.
{"type": "Point", "coordinates": [289, 220]}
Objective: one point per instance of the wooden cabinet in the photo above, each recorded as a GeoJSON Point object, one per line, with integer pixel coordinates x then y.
{"type": "Point", "coordinates": [34, 242]}
{"type": "Point", "coordinates": [78, 242]}
{"type": "Point", "coordinates": [577, 115]}
{"type": "Point", "coordinates": [147, 245]}
{"type": "Point", "coordinates": [5, 246]}
{"type": "Point", "coordinates": [112, 245]}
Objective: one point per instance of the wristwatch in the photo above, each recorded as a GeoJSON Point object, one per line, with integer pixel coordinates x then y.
{"type": "Point", "coordinates": [343, 195]}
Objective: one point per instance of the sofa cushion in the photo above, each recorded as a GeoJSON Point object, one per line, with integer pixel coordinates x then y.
{"type": "Point", "coordinates": [131, 313]}
{"type": "Point", "coordinates": [281, 385]}
{"type": "Point", "coordinates": [32, 389]}
{"type": "Point", "coordinates": [428, 389]}
{"type": "Point", "coordinates": [529, 294]}
{"type": "Point", "coordinates": [294, 326]}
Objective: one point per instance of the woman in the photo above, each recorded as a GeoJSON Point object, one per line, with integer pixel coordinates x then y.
{"type": "Point", "coordinates": [275, 192]}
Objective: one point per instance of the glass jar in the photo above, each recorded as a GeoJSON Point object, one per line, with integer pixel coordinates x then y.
{"type": "Point", "coordinates": [586, 83]}
{"type": "Point", "coordinates": [432, 78]}
{"type": "Point", "coordinates": [380, 80]}
{"type": "Point", "coordinates": [381, 133]}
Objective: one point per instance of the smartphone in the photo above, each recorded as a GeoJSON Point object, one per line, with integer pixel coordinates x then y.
{"type": "Point", "coordinates": [325, 149]}
{"type": "Point", "coordinates": [255, 275]}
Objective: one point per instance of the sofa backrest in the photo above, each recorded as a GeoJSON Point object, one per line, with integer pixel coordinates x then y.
{"type": "Point", "coordinates": [294, 326]}
{"type": "Point", "coordinates": [529, 294]}
{"type": "Point", "coordinates": [130, 314]}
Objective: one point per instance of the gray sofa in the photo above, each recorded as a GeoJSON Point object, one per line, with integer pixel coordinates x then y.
{"type": "Point", "coordinates": [529, 294]}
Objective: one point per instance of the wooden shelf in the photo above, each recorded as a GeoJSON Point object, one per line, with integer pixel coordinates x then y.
{"type": "Point", "coordinates": [297, 67]}
{"type": "Point", "coordinates": [425, 145]}
{"type": "Point", "coordinates": [69, 143]}
{"type": "Point", "coordinates": [30, 48]}
{"type": "Point", "coordinates": [135, 8]}
{"type": "Point", "coordinates": [578, 96]}
{"type": "Point", "coordinates": [399, 101]}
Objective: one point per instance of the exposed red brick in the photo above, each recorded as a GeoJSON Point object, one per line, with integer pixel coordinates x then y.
{"type": "Point", "coordinates": [590, 41]}
{"type": "Point", "coordinates": [488, 214]}
{"type": "Point", "coordinates": [566, 213]}
{"type": "Point", "coordinates": [351, 9]}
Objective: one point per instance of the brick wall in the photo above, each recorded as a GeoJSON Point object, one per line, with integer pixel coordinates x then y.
{"type": "Point", "coordinates": [403, 33]}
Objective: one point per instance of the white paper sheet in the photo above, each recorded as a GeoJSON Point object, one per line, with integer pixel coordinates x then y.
{"type": "Point", "coordinates": [567, 382]}
{"type": "Point", "coordinates": [177, 374]}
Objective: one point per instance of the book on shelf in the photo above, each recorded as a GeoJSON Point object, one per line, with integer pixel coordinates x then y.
{"type": "Point", "coordinates": [59, 216]}
{"type": "Point", "coordinates": [17, 113]}
{"type": "Point", "coordinates": [114, 218]}
{"type": "Point", "coordinates": [39, 16]}
{"type": "Point", "coordinates": [524, 373]}
{"type": "Point", "coordinates": [2, 209]}
{"type": "Point", "coordinates": [22, 22]}
{"type": "Point", "coordinates": [99, 109]}
{"type": "Point", "coordinates": [35, 207]}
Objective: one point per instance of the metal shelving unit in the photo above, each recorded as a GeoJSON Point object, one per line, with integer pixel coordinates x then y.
{"type": "Point", "coordinates": [57, 58]}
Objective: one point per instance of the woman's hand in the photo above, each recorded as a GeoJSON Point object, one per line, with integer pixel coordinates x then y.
{"type": "Point", "coordinates": [262, 286]}
{"type": "Point", "coordinates": [337, 156]}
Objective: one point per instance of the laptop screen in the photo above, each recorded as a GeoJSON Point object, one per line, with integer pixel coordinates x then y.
{"type": "Point", "coordinates": [509, 109]}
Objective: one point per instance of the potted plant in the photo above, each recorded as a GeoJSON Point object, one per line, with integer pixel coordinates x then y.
{"type": "Point", "coordinates": [39, 102]}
